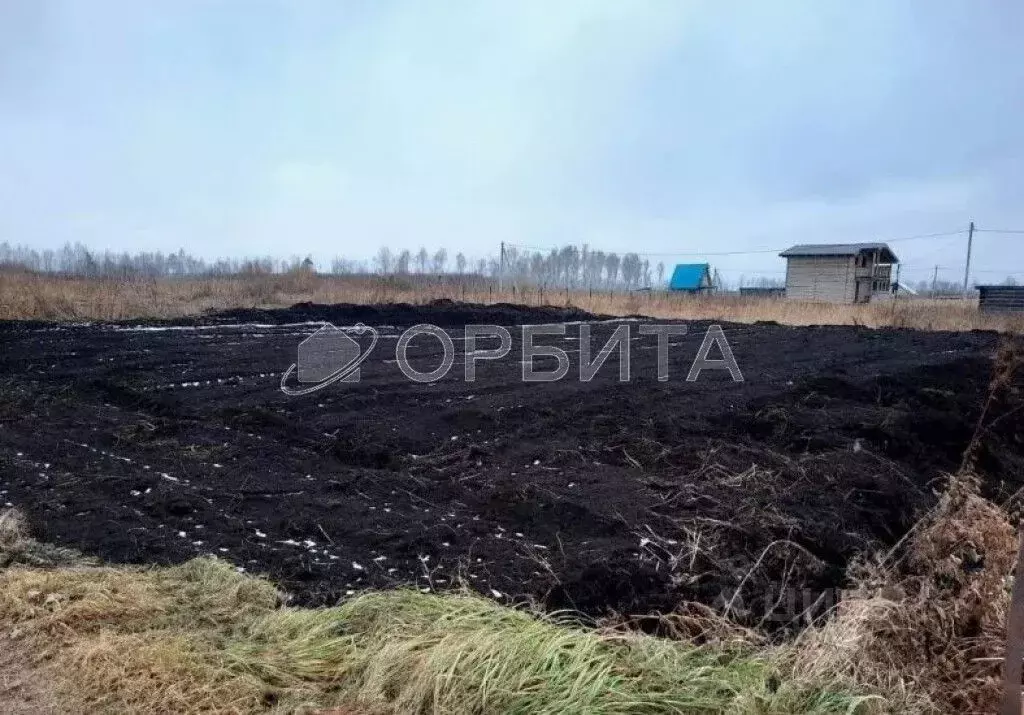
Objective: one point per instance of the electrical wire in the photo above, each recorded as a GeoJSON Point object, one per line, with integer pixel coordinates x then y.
{"type": "Point", "coordinates": [715, 254]}
{"type": "Point", "coordinates": [649, 254]}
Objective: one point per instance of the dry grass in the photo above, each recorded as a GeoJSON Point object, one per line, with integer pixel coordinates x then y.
{"type": "Point", "coordinates": [201, 637]}
{"type": "Point", "coordinates": [924, 633]}
{"type": "Point", "coordinates": [47, 297]}
{"type": "Point", "coordinates": [929, 623]}
{"type": "Point", "coordinates": [16, 548]}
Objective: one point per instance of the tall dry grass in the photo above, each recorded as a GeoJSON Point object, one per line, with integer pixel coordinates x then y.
{"type": "Point", "coordinates": [201, 637]}
{"type": "Point", "coordinates": [927, 625]}
{"type": "Point", "coordinates": [25, 295]}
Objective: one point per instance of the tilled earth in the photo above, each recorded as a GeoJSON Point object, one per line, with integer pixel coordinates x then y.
{"type": "Point", "coordinates": [157, 442]}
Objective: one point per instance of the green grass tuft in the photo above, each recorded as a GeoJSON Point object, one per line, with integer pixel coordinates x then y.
{"type": "Point", "coordinates": [407, 652]}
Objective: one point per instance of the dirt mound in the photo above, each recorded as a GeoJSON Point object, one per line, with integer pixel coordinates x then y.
{"type": "Point", "coordinates": [440, 312]}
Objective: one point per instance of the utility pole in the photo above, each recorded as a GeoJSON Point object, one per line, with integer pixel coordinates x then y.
{"type": "Point", "coordinates": [967, 268]}
{"type": "Point", "coordinates": [501, 266]}
{"type": "Point", "coordinates": [935, 281]}
{"type": "Point", "coordinates": [896, 291]}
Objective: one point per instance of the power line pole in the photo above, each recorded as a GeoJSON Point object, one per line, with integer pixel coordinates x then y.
{"type": "Point", "coordinates": [935, 281]}
{"type": "Point", "coordinates": [896, 291]}
{"type": "Point", "coordinates": [967, 268]}
{"type": "Point", "coordinates": [501, 266]}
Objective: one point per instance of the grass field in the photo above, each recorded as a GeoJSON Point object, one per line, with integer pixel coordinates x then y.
{"type": "Point", "coordinates": [36, 296]}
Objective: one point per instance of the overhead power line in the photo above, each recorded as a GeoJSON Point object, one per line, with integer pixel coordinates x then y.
{"type": "Point", "coordinates": [935, 247]}
{"type": "Point", "coordinates": [654, 254]}
{"type": "Point", "coordinates": [925, 235]}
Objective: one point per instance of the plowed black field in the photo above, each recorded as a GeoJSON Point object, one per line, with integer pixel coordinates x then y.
{"type": "Point", "coordinates": [155, 443]}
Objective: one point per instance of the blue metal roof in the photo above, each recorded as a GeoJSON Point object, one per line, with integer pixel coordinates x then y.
{"type": "Point", "coordinates": [690, 276]}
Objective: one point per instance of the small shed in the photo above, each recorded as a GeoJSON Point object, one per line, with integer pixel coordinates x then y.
{"type": "Point", "coordinates": [839, 272]}
{"type": "Point", "coordinates": [1001, 299]}
{"type": "Point", "coordinates": [691, 278]}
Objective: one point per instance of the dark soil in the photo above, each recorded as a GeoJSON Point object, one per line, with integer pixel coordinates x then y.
{"type": "Point", "coordinates": [156, 444]}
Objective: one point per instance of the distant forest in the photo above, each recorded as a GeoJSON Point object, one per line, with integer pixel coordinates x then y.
{"type": "Point", "coordinates": [571, 266]}
{"type": "Point", "coordinates": [568, 267]}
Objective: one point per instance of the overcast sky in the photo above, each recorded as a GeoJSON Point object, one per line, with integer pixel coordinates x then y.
{"type": "Point", "coordinates": [238, 127]}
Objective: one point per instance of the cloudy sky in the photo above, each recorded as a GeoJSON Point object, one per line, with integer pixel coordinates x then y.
{"type": "Point", "coordinates": [238, 127]}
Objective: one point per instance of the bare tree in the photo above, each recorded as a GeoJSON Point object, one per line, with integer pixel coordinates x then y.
{"type": "Point", "coordinates": [422, 257]}
{"type": "Point", "coordinates": [460, 263]}
{"type": "Point", "coordinates": [611, 267]}
{"type": "Point", "coordinates": [630, 268]}
{"type": "Point", "coordinates": [402, 264]}
{"type": "Point", "coordinates": [596, 268]}
{"type": "Point", "coordinates": [384, 260]}
{"type": "Point", "coordinates": [341, 266]}
{"type": "Point", "coordinates": [568, 266]}
{"type": "Point", "coordinates": [440, 259]}
{"type": "Point", "coordinates": [661, 274]}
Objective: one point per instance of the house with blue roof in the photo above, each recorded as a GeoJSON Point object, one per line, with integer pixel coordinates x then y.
{"type": "Point", "coordinates": [692, 278]}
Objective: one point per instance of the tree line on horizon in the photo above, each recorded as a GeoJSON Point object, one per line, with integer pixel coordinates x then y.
{"type": "Point", "coordinates": [572, 267]}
